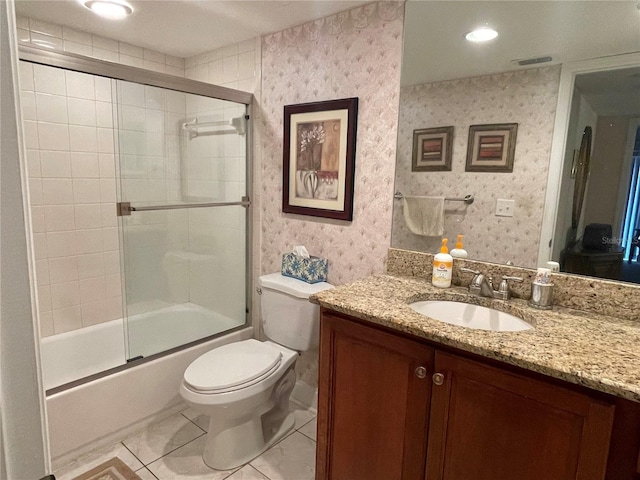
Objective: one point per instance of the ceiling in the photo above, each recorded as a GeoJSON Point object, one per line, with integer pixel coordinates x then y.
{"type": "Point", "coordinates": [185, 28]}
{"type": "Point", "coordinates": [435, 48]}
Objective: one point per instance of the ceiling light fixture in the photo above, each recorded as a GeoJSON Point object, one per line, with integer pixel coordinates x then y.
{"type": "Point", "coordinates": [482, 34]}
{"type": "Point", "coordinates": [111, 9]}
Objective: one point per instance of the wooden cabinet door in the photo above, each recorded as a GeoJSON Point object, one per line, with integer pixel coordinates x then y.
{"type": "Point", "coordinates": [490, 424]}
{"type": "Point", "coordinates": [373, 402]}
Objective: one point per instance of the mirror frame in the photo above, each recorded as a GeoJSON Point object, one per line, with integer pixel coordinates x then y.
{"type": "Point", "coordinates": [558, 144]}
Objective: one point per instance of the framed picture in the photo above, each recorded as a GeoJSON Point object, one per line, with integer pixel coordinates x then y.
{"type": "Point", "coordinates": [319, 158]}
{"type": "Point", "coordinates": [491, 147]}
{"type": "Point", "coordinates": [432, 150]}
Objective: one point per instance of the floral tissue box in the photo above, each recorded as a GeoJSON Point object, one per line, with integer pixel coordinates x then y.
{"type": "Point", "coordinates": [310, 270]}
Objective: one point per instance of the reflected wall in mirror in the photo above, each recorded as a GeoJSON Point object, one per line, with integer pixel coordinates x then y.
{"type": "Point", "coordinates": [448, 81]}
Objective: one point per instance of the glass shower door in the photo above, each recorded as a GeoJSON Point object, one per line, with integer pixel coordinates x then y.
{"type": "Point", "coordinates": [184, 210]}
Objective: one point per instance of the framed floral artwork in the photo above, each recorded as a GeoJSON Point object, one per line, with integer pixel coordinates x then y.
{"type": "Point", "coordinates": [432, 149]}
{"type": "Point", "coordinates": [319, 158]}
{"type": "Point", "coordinates": [491, 148]}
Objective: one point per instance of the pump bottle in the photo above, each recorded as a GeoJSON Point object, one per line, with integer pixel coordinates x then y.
{"type": "Point", "coordinates": [442, 267]}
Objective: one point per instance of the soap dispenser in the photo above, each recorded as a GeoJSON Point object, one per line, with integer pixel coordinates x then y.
{"type": "Point", "coordinates": [442, 267]}
{"type": "Point", "coordinates": [459, 251]}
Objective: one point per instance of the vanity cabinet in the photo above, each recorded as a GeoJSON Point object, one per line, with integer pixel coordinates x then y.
{"type": "Point", "coordinates": [394, 407]}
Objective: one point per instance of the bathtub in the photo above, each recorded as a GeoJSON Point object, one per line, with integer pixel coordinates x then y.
{"type": "Point", "coordinates": [105, 409]}
{"type": "Point", "coordinates": [79, 353]}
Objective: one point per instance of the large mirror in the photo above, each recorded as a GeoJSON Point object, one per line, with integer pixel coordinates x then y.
{"type": "Point", "coordinates": [555, 68]}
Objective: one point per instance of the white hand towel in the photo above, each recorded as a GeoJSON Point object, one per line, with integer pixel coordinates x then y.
{"type": "Point", "coordinates": [424, 215]}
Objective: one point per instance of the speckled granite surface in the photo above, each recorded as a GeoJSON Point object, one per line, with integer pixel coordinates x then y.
{"type": "Point", "coordinates": [589, 294]}
{"type": "Point", "coordinates": [597, 351]}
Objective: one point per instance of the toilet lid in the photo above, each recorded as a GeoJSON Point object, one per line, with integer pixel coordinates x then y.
{"type": "Point", "coordinates": [232, 365]}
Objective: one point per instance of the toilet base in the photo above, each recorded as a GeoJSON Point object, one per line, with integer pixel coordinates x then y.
{"type": "Point", "coordinates": [232, 449]}
{"type": "Point", "coordinates": [229, 447]}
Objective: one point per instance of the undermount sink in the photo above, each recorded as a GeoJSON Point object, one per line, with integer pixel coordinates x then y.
{"type": "Point", "coordinates": [471, 316]}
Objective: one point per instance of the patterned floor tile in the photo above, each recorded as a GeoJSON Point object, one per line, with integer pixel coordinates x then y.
{"type": "Point", "coordinates": [292, 458]}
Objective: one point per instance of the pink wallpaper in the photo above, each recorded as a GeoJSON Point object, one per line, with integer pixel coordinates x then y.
{"type": "Point", "coordinates": [356, 53]}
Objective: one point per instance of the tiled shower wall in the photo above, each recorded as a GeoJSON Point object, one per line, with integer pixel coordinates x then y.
{"type": "Point", "coordinates": [79, 273]}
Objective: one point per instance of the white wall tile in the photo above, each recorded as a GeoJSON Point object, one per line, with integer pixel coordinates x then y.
{"type": "Point", "coordinates": [174, 61]}
{"type": "Point", "coordinates": [35, 191]}
{"type": "Point", "coordinates": [91, 265]}
{"type": "Point", "coordinates": [51, 108]}
{"type": "Point", "coordinates": [153, 56]}
{"type": "Point", "coordinates": [57, 191]}
{"type": "Point", "coordinates": [106, 140]}
{"type": "Point", "coordinates": [111, 239]}
{"type": "Point", "coordinates": [114, 308]}
{"type": "Point", "coordinates": [92, 289]}
{"type": "Point", "coordinates": [131, 94]}
{"type": "Point", "coordinates": [246, 65]}
{"type": "Point", "coordinates": [55, 164]}
{"type": "Point", "coordinates": [65, 295]}
{"type": "Point", "coordinates": [62, 270]}
{"type": "Point", "coordinates": [88, 216]}
{"type": "Point", "coordinates": [61, 244]}
{"type": "Point", "coordinates": [40, 246]}
{"type": "Point", "coordinates": [112, 262]}
{"type": "Point", "coordinates": [82, 112]}
{"type": "Point", "coordinates": [109, 218]}
{"type": "Point", "coordinates": [28, 104]}
{"type": "Point", "coordinates": [77, 36]}
{"type": "Point", "coordinates": [131, 61]}
{"type": "Point", "coordinates": [44, 298]}
{"type": "Point", "coordinates": [67, 319]}
{"type": "Point", "coordinates": [46, 41]}
{"type": "Point", "coordinates": [105, 43]}
{"type": "Point", "coordinates": [42, 273]}
{"type": "Point", "coordinates": [130, 50]}
{"type": "Point", "coordinates": [37, 219]}
{"type": "Point", "coordinates": [83, 139]}
{"type": "Point", "coordinates": [93, 313]}
{"type": "Point", "coordinates": [26, 76]}
{"type": "Point", "coordinates": [85, 165]}
{"type": "Point", "coordinates": [45, 28]}
{"type": "Point", "coordinates": [107, 165]}
{"type": "Point", "coordinates": [80, 85]}
{"type": "Point", "coordinates": [33, 163]}
{"type": "Point", "coordinates": [107, 190]}
{"type": "Point", "coordinates": [89, 241]}
{"type": "Point", "coordinates": [46, 323]}
{"type": "Point", "coordinates": [106, 55]}
{"type": "Point", "coordinates": [104, 114]}
{"type": "Point", "coordinates": [49, 80]}
{"type": "Point", "coordinates": [86, 190]}
{"type": "Point", "coordinates": [59, 218]}
{"type": "Point", "coordinates": [31, 134]}
{"type": "Point", "coordinates": [103, 89]}
{"type": "Point", "coordinates": [53, 136]}
{"type": "Point", "coordinates": [77, 48]}
{"type": "Point", "coordinates": [113, 285]}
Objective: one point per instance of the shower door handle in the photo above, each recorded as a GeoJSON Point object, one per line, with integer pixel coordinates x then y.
{"type": "Point", "coordinates": [124, 209]}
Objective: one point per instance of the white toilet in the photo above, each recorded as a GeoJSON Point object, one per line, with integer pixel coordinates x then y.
{"type": "Point", "coordinates": [244, 387]}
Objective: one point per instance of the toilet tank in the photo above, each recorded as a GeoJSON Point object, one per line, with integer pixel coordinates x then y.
{"type": "Point", "coordinates": [288, 318]}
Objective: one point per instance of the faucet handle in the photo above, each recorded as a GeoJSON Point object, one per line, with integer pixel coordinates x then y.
{"type": "Point", "coordinates": [503, 289]}
{"type": "Point", "coordinates": [468, 270]}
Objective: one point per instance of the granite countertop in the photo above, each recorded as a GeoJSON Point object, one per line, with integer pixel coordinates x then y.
{"type": "Point", "coordinates": [597, 351]}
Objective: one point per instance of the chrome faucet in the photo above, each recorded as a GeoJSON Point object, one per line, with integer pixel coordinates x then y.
{"type": "Point", "coordinates": [482, 286]}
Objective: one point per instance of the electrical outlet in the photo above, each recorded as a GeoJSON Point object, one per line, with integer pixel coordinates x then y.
{"type": "Point", "coordinates": [505, 208]}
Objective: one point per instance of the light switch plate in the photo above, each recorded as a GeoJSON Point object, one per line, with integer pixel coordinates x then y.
{"type": "Point", "coordinates": [505, 208]}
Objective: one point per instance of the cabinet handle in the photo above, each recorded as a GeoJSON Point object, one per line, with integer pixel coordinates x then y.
{"type": "Point", "coordinates": [438, 378]}
{"type": "Point", "coordinates": [421, 372]}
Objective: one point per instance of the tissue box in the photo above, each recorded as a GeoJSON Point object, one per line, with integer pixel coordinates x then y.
{"type": "Point", "coordinates": [310, 270]}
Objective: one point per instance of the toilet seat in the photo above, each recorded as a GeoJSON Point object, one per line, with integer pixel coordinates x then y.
{"type": "Point", "coordinates": [232, 367]}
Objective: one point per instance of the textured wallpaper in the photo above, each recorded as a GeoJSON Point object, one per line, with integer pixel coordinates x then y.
{"type": "Point", "coordinates": [356, 53]}
{"type": "Point", "coordinates": [527, 97]}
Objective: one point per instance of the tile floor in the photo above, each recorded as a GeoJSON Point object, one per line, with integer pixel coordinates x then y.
{"type": "Point", "coordinates": [171, 450]}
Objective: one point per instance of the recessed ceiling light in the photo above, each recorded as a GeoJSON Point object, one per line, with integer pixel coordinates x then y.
{"type": "Point", "coordinates": [482, 34]}
{"type": "Point", "coordinates": [111, 9]}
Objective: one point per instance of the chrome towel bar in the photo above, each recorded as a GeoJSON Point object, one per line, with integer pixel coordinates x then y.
{"type": "Point", "coordinates": [468, 199]}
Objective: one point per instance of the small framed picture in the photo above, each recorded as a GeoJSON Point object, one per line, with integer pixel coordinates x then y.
{"type": "Point", "coordinates": [491, 148]}
{"type": "Point", "coordinates": [319, 158]}
{"type": "Point", "coordinates": [432, 149]}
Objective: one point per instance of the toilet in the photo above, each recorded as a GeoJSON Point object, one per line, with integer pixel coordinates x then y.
{"type": "Point", "coordinates": [244, 387]}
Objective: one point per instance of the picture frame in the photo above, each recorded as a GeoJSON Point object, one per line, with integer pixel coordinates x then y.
{"type": "Point", "coordinates": [319, 158]}
{"type": "Point", "coordinates": [432, 149]}
{"type": "Point", "coordinates": [491, 147]}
